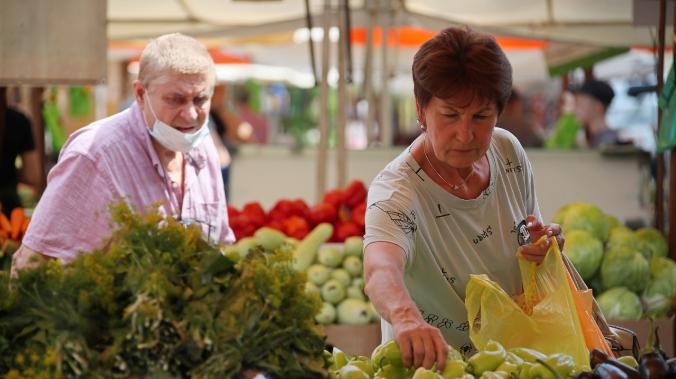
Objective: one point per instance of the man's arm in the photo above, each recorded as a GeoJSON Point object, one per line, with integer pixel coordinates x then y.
{"type": "Point", "coordinates": [26, 258]}
{"type": "Point", "coordinates": [421, 344]}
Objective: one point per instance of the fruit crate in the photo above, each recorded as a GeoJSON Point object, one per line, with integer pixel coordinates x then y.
{"type": "Point", "coordinates": [354, 339]}
{"type": "Point", "coordinates": [642, 329]}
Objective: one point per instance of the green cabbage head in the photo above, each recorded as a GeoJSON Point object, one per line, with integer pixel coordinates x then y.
{"type": "Point", "coordinates": [587, 217]}
{"type": "Point", "coordinates": [620, 303]}
{"type": "Point", "coordinates": [585, 252]}
{"type": "Point", "coordinates": [626, 267]}
{"type": "Point", "coordinates": [654, 241]}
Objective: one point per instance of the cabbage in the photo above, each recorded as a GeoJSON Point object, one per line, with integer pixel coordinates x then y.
{"type": "Point", "coordinates": [623, 266]}
{"type": "Point", "coordinates": [613, 222]}
{"type": "Point", "coordinates": [561, 213]}
{"type": "Point", "coordinates": [620, 303]}
{"type": "Point", "coordinates": [657, 297]}
{"type": "Point", "coordinates": [584, 251]}
{"type": "Point", "coordinates": [653, 240]}
{"type": "Point", "coordinates": [663, 268]}
{"type": "Point", "coordinates": [625, 237]}
{"type": "Point", "coordinates": [587, 217]}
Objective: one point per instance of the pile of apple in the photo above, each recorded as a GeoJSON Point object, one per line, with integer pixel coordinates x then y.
{"type": "Point", "coordinates": [337, 277]}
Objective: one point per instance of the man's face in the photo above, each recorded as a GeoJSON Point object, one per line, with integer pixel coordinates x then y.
{"type": "Point", "coordinates": [179, 100]}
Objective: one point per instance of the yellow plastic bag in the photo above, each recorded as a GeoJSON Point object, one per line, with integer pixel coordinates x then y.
{"type": "Point", "coordinates": [545, 318]}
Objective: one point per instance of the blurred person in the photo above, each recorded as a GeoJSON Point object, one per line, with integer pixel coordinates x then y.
{"type": "Point", "coordinates": [592, 100]}
{"type": "Point", "coordinates": [17, 141]}
{"type": "Point", "coordinates": [155, 153]}
{"type": "Point", "coordinates": [459, 200]}
{"type": "Point", "coordinates": [564, 133]}
{"type": "Point", "coordinates": [257, 121]}
{"type": "Point", "coordinates": [514, 119]}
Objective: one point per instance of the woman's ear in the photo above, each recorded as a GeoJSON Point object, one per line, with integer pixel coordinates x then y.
{"type": "Point", "coordinates": [421, 115]}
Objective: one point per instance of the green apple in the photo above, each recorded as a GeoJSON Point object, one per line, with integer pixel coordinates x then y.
{"type": "Point", "coordinates": [355, 293]}
{"type": "Point", "coordinates": [342, 276]}
{"type": "Point", "coordinates": [353, 265]}
{"type": "Point", "coordinates": [318, 274]}
{"type": "Point", "coordinates": [327, 314]}
{"type": "Point", "coordinates": [311, 288]}
{"type": "Point", "coordinates": [330, 256]}
{"type": "Point", "coordinates": [350, 371]}
{"type": "Point", "coordinates": [333, 291]}
{"type": "Point", "coordinates": [358, 282]}
{"type": "Point", "coordinates": [354, 246]}
{"type": "Point", "coordinates": [353, 312]}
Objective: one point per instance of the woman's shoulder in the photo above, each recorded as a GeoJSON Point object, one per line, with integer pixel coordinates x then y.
{"type": "Point", "coordinates": [506, 143]}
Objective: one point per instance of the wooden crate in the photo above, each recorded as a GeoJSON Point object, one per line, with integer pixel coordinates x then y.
{"type": "Point", "coordinates": [642, 330]}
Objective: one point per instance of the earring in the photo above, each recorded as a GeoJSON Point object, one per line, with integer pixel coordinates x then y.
{"type": "Point", "coordinates": [422, 126]}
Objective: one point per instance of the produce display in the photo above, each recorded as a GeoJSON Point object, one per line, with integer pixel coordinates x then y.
{"type": "Point", "coordinates": [342, 208]}
{"type": "Point", "coordinates": [495, 362]}
{"type": "Point", "coordinates": [162, 303]}
{"type": "Point", "coordinates": [334, 271]}
{"type": "Point", "coordinates": [629, 271]}
{"type": "Point", "coordinates": [12, 230]}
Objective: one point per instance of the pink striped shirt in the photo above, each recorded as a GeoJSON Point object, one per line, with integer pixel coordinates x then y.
{"type": "Point", "coordinates": [114, 159]}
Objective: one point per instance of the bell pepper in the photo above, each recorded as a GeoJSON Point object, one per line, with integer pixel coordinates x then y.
{"type": "Point", "coordinates": [363, 363]}
{"type": "Point", "coordinates": [355, 193]}
{"type": "Point", "coordinates": [358, 215]}
{"type": "Point", "coordinates": [345, 229]}
{"type": "Point", "coordinates": [256, 214]}
{"type": "Point", "coordinates": [487, 360]}
{"type": "Point", "coordinates": [322, 212]}
{"type": "Point", "coordinates": [281, 210]}
{"type": "Point", "coordinates": [335, 197]}
{"type": "Point", "coordinates": [455, 368]}
{"type": "Point", "coordinates": [524, 370]}
{"type": "Point", "coordinates": [528, 355]}
{"type": "Point", "coordinates": [510, 368]}
{"type": "Point", "coordinates": [296, 227]}
{"type": "Point", "coordinates": [494, 375]}
{"type": "Point", "coordinates": [562, 363]}
{"type": "Point", "coordinates": [513, 358]}
{"type": "Point", "coordinates": [540, 371]}
{"type": "Point", "coordinates": [390, 371]}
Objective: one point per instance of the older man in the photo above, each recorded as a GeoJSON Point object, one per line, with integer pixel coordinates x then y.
{"type": "Point", "coordinates": [158, 151]}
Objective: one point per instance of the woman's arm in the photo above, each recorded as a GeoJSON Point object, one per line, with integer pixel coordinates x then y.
{"type": "Point", "coordinates": [421, 344]}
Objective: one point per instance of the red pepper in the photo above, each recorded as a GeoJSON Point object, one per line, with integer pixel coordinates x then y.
{"type": "Point", "coordinates": [322, 212]}
{"type": "Point", "coordinates": [357, 215]}
{"type": "Point", "coordinates": [342, 230]}
{"type": "Point", "coordinates": [334, 197]}
{"type": "Point", "coordinates": [299, 208]}
{"type": "Point", "coordinates": [355, 193]}
{"type": "Point", "coordinates": [296, 227]}
{"type": "Point", "coordinates": [232, 212]}
{"type": "Point", "coordinates": [276, 224]}
{"type": "Point", "coordinates": [281, 210]}
{"type": "Point", "coordinates": [256, 214]}
{"type": "Point", "coordinates": [242, 226]}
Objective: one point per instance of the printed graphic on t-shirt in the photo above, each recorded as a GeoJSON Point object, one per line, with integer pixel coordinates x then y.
{"type": "Point", "coordinates": [512, 166]}
{"type": "Point", "coordinates": [450, 279]}
{"type": "Point", "coordinates": [485, 234]}
{"type": "Point", "coordinates": [442, 213]}
{"type": "Point", "coordinates": [416, 171]}
{"type": "Point", "coordinates": [399, 217]}
{"type": "Point", "coordinates": [522, 234]}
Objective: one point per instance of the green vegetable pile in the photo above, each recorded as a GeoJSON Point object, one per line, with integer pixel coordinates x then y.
{"type": "Point", "coordinates": [160, 303]}
{"type": "Point", "coordinates": [630, 272]}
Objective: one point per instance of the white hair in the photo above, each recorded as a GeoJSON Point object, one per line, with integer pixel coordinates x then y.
{"type": "Point", "coordinates": [175, 53]}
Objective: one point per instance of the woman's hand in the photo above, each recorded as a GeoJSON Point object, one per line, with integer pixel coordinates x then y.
{"type": "Point", "coordinates": [421, 344]}
{"type": "Point", "coordinates": [537, 250]}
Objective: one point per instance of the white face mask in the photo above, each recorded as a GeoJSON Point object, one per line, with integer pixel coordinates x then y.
{"type": "Point", "coordinates": [173, 139]}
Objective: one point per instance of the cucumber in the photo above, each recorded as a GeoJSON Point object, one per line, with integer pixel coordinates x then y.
{"type": "Point", "coordinates": [304, 254]}
{"type": "Point", "coordinates": [269, 238]}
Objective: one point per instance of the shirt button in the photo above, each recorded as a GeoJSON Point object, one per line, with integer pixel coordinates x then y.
{"type": "Point", "coordinates": [174, 185]}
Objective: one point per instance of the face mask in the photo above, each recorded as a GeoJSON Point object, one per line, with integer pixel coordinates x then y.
{"type": "Point", "coordinates": [175, 140]}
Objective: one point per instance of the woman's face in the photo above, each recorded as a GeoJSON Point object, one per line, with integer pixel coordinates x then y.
{"type": "Point", "coordinates": [459, 134]}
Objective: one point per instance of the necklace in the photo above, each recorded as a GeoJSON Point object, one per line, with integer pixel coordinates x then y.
{"type": "Point", "coordinates": [454, 187]}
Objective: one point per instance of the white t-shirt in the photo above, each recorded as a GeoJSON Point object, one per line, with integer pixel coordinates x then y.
{"type": "Point", "coordinates": [445, 238]}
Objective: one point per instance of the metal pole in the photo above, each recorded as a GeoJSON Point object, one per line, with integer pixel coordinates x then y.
{"type": "Point", "coordinates": [324, 105]}
{"type": "Point", "coordinates": [341, 117]}
{"type": "Point", "coordinates": [368, 74]}
{"type": "Point", "coordinates": [385, 116]}
{"type": "Point", "coordinates": [659, 163]}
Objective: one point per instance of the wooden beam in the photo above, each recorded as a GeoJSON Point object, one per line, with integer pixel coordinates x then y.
{"type": "Point", "coordinates": [659, 163]}
{"type": "Point", "coordinates": [322, 148]}
{"type": "Point", "coordinates": [39, 135]}
{"type": "Point", "coordinates": [341, 117]}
